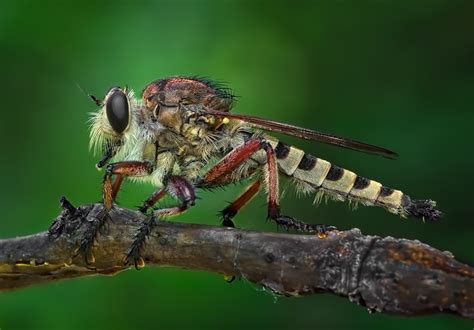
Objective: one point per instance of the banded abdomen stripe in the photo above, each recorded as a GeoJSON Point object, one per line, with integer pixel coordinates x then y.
{"type": "Point", "coordinates": [317, 175]}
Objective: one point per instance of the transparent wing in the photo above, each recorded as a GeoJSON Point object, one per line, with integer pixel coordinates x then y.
{"type": "Point", "coordinates": [304, 133]}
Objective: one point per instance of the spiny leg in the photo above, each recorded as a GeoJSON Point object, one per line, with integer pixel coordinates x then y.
{"type": "Point", "coordinates": [110, 190]}
{"type": "Point", "coordinates": [221, 174]}
{"type": "Point", "coordinates": [174, 185]}
{"type": "Point", "coordinates": [273, 201]}
{"type": "Point", "coordinates": [229, 163]}
{"type": "Point", "coordinates": [152, 200]}
{"type": "Point", "coordinates": [121, 169]}
{"type": "Point", "coordinates": [88, 238]}
{"type": "Point", "coordinates": [116, 185]}
{"type": "Point", "coordinates": [242, 153]}
{"type": "Point", "coordinates": [231, 210]}
{"type": "Point", "coordinates": [139, 239]}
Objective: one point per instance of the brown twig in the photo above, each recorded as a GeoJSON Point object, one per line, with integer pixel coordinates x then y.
{"type": "Point", "coordinates": [384, 274]}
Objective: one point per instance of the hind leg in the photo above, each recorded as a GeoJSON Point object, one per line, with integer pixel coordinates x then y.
{"type": "Point", "coordinates": [218, 175]}
{"type": "Point", "coordinates": [271, 175]}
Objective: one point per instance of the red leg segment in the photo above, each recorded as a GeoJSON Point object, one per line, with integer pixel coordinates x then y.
{"type": "Point", "coordinates": [153, 199]}
{"type": "Point", "coordinates": [272, 182]}
{"type": "Point", "coordinates": [121, 169]}
{"type": "Point", "coordinates": [237, 157]}
{"type": "Point", "coordinates": [229, 163]}
{"type": "Point", "coordinates": [231, 210]}
{"type": "Point", "coordinates": [110, 190]}
{"type": "Point", "coordinates": [116, 185]}
{"type": "Point", "coordinates": [241, 154]}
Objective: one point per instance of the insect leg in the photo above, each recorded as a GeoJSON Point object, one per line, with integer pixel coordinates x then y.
{"type": "Point", "coordinates": [240, 154]}
{"type": "Point", "coordinates": [230, 162]}
{"type": "Point", "coordinates": [152, 200]}
{"type": "Point", "coordinates": [220, 174]}
{"type": "Point", "coordinates": [116, 185]}
{"type": "Point", "coordinates": [183, 190]}
{"type": "Point", "coordinates": [121, 169]}
{"type": "Point", "coordinates": [110, 189]}
{"type": "Point", "coordinates": [231, 210]}
{"type": "Point", "coordinates": [271, 176]}
{"type": "Point", "coordinates": [176, 186]}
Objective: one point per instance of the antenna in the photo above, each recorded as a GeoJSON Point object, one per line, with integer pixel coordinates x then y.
{"type": "Point", "coordinates": [92, 97]}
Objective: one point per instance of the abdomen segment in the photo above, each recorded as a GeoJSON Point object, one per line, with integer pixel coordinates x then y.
{"type": "Point", "coordinates": [312, 174]}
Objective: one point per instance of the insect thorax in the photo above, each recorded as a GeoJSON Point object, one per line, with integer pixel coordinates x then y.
{"type": "Point", "coordinates": [187, 142]}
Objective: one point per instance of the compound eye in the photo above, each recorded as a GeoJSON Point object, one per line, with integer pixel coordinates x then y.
{"type": "Point", "coordinates": [118, 111]}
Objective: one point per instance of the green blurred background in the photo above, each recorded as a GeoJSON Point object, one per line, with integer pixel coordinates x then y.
{"type": "Point", "coordinates": [393, 73]}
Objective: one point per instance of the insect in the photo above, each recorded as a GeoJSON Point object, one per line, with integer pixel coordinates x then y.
{"type": "Point", "coordinates": [181, 136]}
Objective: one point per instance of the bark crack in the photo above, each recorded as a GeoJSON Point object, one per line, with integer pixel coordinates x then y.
{"type": "Point", "coordinates": [355, 294]}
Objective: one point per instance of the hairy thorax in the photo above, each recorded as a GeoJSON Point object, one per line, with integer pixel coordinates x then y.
{"type": "Point", "coordinates": [188, 142]}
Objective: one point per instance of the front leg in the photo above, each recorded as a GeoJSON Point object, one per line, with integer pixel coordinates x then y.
{"type": "Point", "coordinates": [110, 190]}
{"type": "Point", "coordinates": [121, 169]}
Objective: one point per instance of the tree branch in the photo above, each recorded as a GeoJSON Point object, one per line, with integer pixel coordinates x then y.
{"type": "Point", "coordinates": [384, 274]}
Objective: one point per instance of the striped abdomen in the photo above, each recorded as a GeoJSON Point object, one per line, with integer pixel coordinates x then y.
{"type": "Point", "coordinates": [313, 174]}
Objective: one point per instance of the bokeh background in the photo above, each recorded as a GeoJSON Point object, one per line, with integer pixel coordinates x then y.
{"type": "Point", "coordinates": [399, 74]}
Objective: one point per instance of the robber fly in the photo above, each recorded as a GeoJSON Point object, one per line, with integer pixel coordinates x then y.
{"type": "Point", "coordinates": [181, 136]}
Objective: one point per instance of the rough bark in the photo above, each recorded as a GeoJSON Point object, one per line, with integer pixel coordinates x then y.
{"type": "Point", "coordinates": [383, 274]}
